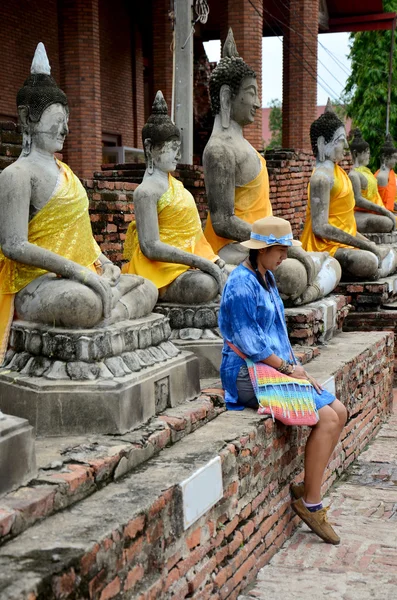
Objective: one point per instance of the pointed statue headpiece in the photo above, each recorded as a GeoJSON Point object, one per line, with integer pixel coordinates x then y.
{"type": "Point", "coordinates": [324, 126]}
{"type": "Point", "coordinates": [230, 70]}
{"type": "Point", "coordinates": [159, 127]}
{"type": "Point", "coordinates": [40, 89]}
{"type": "Point", "coordinates": [357, 143]}
{"type": "Point", "coordinates": [388, 148]}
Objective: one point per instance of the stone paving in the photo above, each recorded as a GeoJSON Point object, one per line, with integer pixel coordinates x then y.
{"type": "Point", "coordinates": [364, 512]}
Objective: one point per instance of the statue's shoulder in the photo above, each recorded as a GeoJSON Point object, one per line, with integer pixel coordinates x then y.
{"type": "Point", "coordinates": [148, 190]}
{"type": "Point", "coordinates": [219, 147]}
{"type": "Point", "coordinates": [15, 175]}
{"type": "Point", "coordinates": [322, 177]}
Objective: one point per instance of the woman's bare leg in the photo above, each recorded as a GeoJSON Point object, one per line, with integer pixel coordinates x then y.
{"type": "Point", "coordinates": [319, 447]}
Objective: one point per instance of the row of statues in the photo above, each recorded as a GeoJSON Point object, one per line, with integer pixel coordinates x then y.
{"type": "Point", "coordinates": [52, 271]}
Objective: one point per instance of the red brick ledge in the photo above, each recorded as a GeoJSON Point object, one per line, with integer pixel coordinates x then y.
{"type": "Point", "coordinates": [87, 468]}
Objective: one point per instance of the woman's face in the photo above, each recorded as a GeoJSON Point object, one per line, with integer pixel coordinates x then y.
{"type": "Point", "coordinates": [271, 258]}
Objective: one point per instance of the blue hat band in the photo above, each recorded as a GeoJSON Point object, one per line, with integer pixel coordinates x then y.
{"type": "Point", "coordinates": [285, 240]}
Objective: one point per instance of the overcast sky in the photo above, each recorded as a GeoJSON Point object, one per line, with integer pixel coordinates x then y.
{"type": "Point", "coordinates": [333, 79]}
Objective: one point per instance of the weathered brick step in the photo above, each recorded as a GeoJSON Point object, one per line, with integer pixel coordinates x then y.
{"type": "Point", "coordinates": [72, 468]}
{"type": "Point", "coordinates": [127, 539]}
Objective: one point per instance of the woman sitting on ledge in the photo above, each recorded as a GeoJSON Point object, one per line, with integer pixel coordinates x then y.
{"type": "Point", "coordinates": [252, 322]}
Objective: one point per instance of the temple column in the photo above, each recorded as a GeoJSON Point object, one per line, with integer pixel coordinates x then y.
{"type": "Point", "coordinates": [299, 73]}
{"type": "Point", "coordinates": [246, 20]}
{"type": "Point", "coordinates": [162, 50]}
{"type": "Point", "coordinates": [81, 81]}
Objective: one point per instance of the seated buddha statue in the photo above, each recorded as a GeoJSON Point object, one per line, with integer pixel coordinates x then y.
{"type": "Point", "coordinates": [370, 213]}
{"type": "Point", "coordinates": [237, 184]}
{"type": "Point", "coordinates": [52, 271]}
{"type": "Point", "coordinates": [166, 243]}
{"type": "Point", "coordinates": [330, 220]}
{"type": "Point", "coordinates": [386, 176]}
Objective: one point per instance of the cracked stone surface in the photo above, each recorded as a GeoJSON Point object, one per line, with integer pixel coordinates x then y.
{"type": "Point", "coordinates": [364, 512]}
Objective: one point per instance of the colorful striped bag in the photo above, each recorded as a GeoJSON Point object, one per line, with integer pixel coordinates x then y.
{"type": "Point", "coordinates": [285, 398]}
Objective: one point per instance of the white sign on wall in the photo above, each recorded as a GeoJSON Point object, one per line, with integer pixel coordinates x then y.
{"type": "Point", "coordinates": [201, 491]}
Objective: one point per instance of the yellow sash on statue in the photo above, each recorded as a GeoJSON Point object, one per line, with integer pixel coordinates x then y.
{"type": "Point", "coordinates": [341, 215]}
{"type": "Point", "coordinates": [62, 226]}
{"type": "Point", "coordinates": [251, 202]}
{"type": "Point", "coordinates": [179, 226]}
{"type": "Point", "coordinates": [371, 193]}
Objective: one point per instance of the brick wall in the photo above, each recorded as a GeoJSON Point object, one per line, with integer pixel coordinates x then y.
{"type": "Point", "coordinates": [23, 25]}
{"type": "Point", "coordinates": [162, 28]}
{"type": "Point", "coordinates": [116, 70]}
{"type": "Point", "coordinates": [245, 18]}
{"type": "Point", "coordinates": [299, 72]}
{"type": "Point", "coordinates": [144, 553]}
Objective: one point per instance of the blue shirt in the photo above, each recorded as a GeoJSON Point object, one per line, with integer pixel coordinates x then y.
{"type": "Point", "coordinates": [248, 318]}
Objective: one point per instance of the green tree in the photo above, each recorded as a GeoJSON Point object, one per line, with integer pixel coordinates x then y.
{"type": "Point", "coordinates": [366, 87]}
{"type": "Point", "coordinates": [275, 124]}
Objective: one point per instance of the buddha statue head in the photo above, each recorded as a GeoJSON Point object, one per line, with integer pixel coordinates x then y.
{"type": "Point", "coordinates": [388, 153]}
{"type": "Point", "coordinates": [359, 148]}
{"type": "Point", "coordinates": [42, 107]}
{"type": "Point", "coordinates": [328, 136]}
{"type": "Point", "coordinates": [233, 87]}
{"type": "Point", "coordinates": [161, 138]}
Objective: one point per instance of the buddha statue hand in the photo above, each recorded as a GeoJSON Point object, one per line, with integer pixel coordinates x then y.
{"type": "Point", "coordinates": [306, 260]}
{"type": "Point", "coordinates": [100, 285]}
{"type": "Point", "coordinates": [221, 263]}
{"type": "Point", "coordinates": [110, 272]}
{"type": "Point", "coordinates": [379, 252]}
{"type": "Point", "coordinates": [392, 216]}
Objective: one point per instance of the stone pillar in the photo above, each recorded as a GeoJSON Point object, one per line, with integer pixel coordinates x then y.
{"type": "Point", "coordinates": [81, 81]}
{"type": "Point", "coordinates": [299, 73]}
{"type": "Point", "coordinates": [246, 20]}
{"type": "Point", "coordinates": [162, 51]}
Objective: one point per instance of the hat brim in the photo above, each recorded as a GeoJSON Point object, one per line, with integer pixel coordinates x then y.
{"type": "Point", "coordinates": [257, 245]}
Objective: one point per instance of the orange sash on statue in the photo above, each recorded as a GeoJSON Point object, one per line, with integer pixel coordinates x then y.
{"type": "Point", "coordinates": [388, 192]}
{"type": "Point", "coordinates": [341, 215]}
{"type": "Point", "coordinates": [251, 202]}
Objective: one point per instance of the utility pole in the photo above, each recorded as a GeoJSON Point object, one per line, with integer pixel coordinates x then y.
{"type": "Point", "coordinates": [183, 76]}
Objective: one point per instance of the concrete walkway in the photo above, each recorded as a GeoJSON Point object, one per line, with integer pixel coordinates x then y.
{"type": "Point", "coordinates": [364, 512]}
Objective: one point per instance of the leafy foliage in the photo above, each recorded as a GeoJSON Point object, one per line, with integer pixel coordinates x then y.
{"type": "Point", "coordinates": [275, 124]}
{"type": "Point", "coordinates": [366, 87]}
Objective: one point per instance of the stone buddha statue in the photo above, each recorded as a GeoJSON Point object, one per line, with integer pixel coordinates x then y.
{"type": "Point", "coordinates": [330, 221]}
{"type": "Point", "coordinates": [51, 269]}
{"type": "Point", "coordinates": [386, 177]}
{"type": "Point", "coordinates": [237, 184]}
{"type": "Point", "coordinates": [370, 213]}
{"type": "Point", "coordinates": [166, 243]}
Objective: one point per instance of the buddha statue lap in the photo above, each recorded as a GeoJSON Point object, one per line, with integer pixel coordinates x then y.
{"type": "Point", "coordinates": [51, 269]}
{"type": "Point", "coordinates": [237, 184]}
{"type": "Point", "coordinates": [370, 213]}
{"type": "Point", "coordinates": [386, 176]}
{"type": "Point", "coordinates": [330, 221]}
{"type": "Point", "coordinates": [166, 243]}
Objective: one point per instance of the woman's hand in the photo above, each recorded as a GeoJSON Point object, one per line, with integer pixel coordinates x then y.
{"type": "Point", "coordinates": [300, 373]}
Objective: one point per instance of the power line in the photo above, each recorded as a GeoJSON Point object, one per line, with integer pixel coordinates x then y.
{"type": "Point", "coordinates": [329, 91]}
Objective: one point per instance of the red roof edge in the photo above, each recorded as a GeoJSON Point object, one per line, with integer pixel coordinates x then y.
{"type": "Point", "coordinates": [361, 22]}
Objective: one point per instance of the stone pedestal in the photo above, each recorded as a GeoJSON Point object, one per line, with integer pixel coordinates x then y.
{"type": "Point", "coordinates": [17, 454]}
{"type": "Point", "coordinates": [195, 328]}
{"type": "Point", "coordinates": [105, 380]}
{"type": "Point", "coordinates": [383, 238]}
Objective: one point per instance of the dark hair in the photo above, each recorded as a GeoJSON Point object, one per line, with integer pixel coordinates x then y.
{"type": "Point", "coordinates": [358, 143]}
{"type": "Point", "coordinates": [253, 258]}
{"type": "Point", "coordinates": [325, 126]}
{"type": "Point", "coordinates": [38, 93]}
{"type": "Point", "coordinates": [229, 71]}
{"type": "Point", "coordinates": [388, 148]}
{"type": "Point", "coordinates": [159, 127]}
